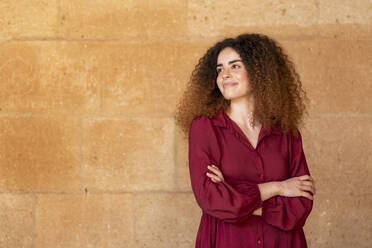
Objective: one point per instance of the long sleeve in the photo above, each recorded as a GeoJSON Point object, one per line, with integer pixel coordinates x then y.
{"type": "Point", "coordinates": [288, 213]}
{"type": "Point", "coordinates": [220, 200]}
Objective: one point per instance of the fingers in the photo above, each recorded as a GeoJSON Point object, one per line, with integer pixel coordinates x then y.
{"type": "Point", "coordinates": [307, 195]}
{"type": "Point", "coordinates": [307, 181]}
{"type": "Point", "coordinates": [215, 170]}
{"type": "Point", "coordinates": [306, 177]}
{"type": "Point", "coordinates": [308, 188]}
{"type": "Point", "coordinates": [217, 176]}
{"type": "Point", "coordinates": [214, 178]}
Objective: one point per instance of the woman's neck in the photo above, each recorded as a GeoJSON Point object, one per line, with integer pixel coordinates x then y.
{"type": "Point", "coordinates": [241, 111]}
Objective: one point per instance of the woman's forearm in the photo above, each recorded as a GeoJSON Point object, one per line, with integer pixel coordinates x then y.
{"type": "Point", "coordinates": [269, 189]}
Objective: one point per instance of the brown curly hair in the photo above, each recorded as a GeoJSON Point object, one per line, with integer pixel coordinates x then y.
{"type": "Point", "coordinates": [276, 86]}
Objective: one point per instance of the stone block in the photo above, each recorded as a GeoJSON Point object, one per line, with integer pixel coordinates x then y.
{"type": "Point", "coordinates": [40, 154]}
{"type": "Point", "coordinates": [339, 221]}
{"type": "Point", "coordinates": [213, 18]}
{"type": "Point", "coordinates": [337, 149]}
{"type": "Point", "coordinates": [146, 78]}
{"type": "Point", "coordinates": [142, 19]}
{"type": "Point", "coordinates": [347, 31]}
{"type": "Point", "coordinates": [344, 11]}
{"type": "Point", "coordinates": [166, 220]}
{"type": "Point", "coordinates": [49, 77]}
{"type": "Point", "coordinates": [84, 221]}
{"type": "Point", "coordinates": [333, 53]}
{"type": "Point", "coordinates": [132, 154]}
{"type": "Point", "coordinates": [16, 220]}
{"type": "Point", "coordinates": [336, 75]}
{"type": "Point", "coordinates": [73, 77]}
{"type": "Point", "coordinates": [28, 19]}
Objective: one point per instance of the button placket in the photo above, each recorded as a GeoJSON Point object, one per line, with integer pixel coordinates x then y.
{"type": "Point", "coordinates": [260, 235]}
{"type": "Point", "coordinates": [260, 167]}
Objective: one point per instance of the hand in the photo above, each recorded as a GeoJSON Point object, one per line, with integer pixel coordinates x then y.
{"type": "Point", "coordinates": [257, 212]}
{"type": "Point", "coordinates": [217, 176]}
{"type": "Point", "coordinates": [298, 186]}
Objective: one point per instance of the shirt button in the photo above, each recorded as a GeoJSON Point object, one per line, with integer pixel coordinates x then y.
{"type": "Point", "coordinates": [259, 241]}
{"type": "Point", "coordinates": [261, 177]}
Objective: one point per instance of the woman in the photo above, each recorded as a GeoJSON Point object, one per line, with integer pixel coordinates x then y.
{"type": "Point", "coordinates": [242, 110]}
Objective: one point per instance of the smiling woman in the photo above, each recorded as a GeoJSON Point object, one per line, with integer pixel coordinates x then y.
{"type": "Point", "coordinates": [232, 79]}
{"type": "Point", "coordinates": [248, 171]}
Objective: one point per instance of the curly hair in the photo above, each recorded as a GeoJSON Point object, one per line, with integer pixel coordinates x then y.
{"type": "Point", "coordinates": [276, 86]}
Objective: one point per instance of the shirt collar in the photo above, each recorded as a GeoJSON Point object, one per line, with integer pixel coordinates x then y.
{"type": "Point", "coordinates": [220, 119]}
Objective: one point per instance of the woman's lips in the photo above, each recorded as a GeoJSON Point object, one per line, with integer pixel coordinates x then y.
{"type": "Point", "coordinates": [226, 85]}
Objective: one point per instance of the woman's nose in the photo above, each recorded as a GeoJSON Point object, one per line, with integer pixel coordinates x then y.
{"type": "Point", "coordinates": [226, 74]}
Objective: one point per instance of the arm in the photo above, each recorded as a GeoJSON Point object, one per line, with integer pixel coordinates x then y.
{"type": "Point", "coordinates": [288, 213]}
{"type": "Point", "coordinates": [220, 200]}
{"type": "Point", "coordinates": [267, 190]}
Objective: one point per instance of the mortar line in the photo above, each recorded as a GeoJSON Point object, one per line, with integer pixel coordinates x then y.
{"type": "Point", "coordinates": [58, 19]}
{"type": "Point", "coordinates": [100, 90]}
{"type": "Point", "coordinates": [144, 40]}
{"type": "Point", "coordinates": [126, 39]}
{"type": "Point", "coordinates": [87, 116]}
{"type": "Point", "coordinates": [97, 192]}
{"type": "Point", "coordinates": [187, 21]}
{"type": "Point", "coordinates": [30, 192]}
{"type": "Point", "coordinates": [145, 115]}
{"type": "Point", "coordinates": [317, 4]}
{"type": "Point", "coordinates": [134, 219]}
{"type": "Point", "coordinates": [34, 209]}
{"type": "Point", "coordinates": [82, 183]}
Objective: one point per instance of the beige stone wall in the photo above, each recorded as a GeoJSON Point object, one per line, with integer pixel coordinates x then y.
{"type": "Point", "coordinates": [89, 152]}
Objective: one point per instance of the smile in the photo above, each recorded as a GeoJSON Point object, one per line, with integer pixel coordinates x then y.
{"type": "Point", "coordinates": [226, 85]}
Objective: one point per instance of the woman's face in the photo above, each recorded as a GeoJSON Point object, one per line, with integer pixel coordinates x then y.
{"type": "Point", "coordinates": [232, 77]}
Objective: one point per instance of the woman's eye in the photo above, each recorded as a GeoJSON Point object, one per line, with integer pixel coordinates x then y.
{"type": "Point", "coordinates": [235, 66]}
{"type": "Point", "coordinates": [219, 70]}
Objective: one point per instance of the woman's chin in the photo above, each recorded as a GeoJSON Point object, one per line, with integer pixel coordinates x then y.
{"type": "Point", "coordinates": [227, 97]}
{"type": "Point", "coordinates": [230, 96]}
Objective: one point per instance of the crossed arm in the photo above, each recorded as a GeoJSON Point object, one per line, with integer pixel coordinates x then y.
{"type": "Point", "coordinates": [292, 187]}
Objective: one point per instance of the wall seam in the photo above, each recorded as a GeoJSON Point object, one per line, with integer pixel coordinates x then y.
{"type": "Point", "coordinates": [81, 173]}
{"type": "Point", "coordinates": [128, 116]}
{"type": "Point", "coordinates": [134, 219]}
{"type": "Point", "coordinates": [57, 35]}
{"type": "Point", "coordinates": [133, 40]}
{"type": "Point", "coordinates": [34, 209]}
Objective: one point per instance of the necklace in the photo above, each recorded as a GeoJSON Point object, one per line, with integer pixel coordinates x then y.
{"type": "Point", "coordinates": [250, 118]}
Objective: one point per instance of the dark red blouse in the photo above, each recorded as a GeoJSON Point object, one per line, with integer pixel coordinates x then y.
{"type": "Point", "coordinates": [227, 220]}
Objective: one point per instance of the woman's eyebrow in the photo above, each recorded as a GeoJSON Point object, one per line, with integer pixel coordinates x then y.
{"type": "Point", "coordinates": [230, 62]}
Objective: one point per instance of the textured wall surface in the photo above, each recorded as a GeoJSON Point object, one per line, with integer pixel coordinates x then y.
{"type": "Point", "coordinates": [89, 152]}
